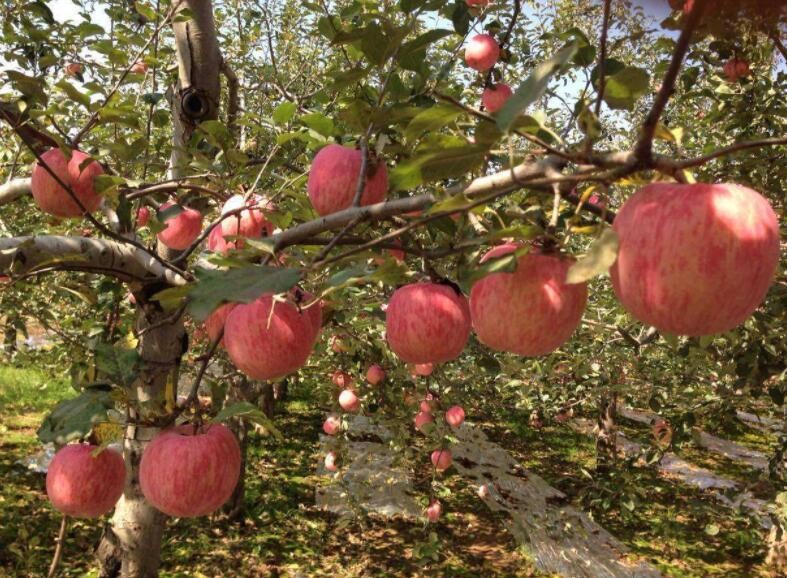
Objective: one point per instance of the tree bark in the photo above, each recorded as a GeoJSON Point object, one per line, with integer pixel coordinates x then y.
{"type": "Point", "coordinates": [606, 438]}
{"type": "Point", "coordinates": [130, 545]}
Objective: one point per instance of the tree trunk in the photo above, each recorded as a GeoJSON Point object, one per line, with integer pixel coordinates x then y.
{"type": "Point", "coordinates": [606, 438]}
{"type": "Point", "coordinates": [130, 546]}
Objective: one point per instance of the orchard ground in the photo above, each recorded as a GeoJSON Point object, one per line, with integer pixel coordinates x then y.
{"type": "Point", "coordinates": [285, 535]}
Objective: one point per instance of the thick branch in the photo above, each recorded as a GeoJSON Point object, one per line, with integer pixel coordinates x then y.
{"type": "Point", "coordinates": [506, 180]}
{"type": "Point", "coordinates": [14, 189]}
{"type": "Point", "coordinates": [24, 255]}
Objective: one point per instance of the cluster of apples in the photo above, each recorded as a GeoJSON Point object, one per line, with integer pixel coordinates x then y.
{"type": "Point", "coordinates": [349, 402]}
{"type": "Point", "coordinates": [185, 471]}
{"type": "Point", "coordinates": [482, 53]}
{"type": "Point", "coordinates": [683, 251]}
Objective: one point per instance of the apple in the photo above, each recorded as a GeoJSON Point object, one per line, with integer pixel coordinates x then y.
{"type": "Point", "coordinates": [214, 324]}
{"type": "Point", "coordinates": [482, 52]}
{"type": "Point", "coordinates": [143, 216]}
{"type": "Point", "coordinates": [131, 298]}
{"type": "Point", "coordinates": [5, 279]}
{"type": "Point", "coordinates": [494, 97]}
{"type": "Point", "coordinates": [480, 3]}
{"type": "Point", "coordinates": [531, 311]}
{"type": "Point", "coordinates": [217, 243]}
{"type": "Point", "coordinates": [427, 323]}
{"type": "Point", "coordinates": [421, 419]}
{"type": "Point", "coordinates": [139, 67]}
{"type": "Point", "coordinates": [694, 259]}
{"type": "Point", "coordinates": [736, 68]}
{"type": "Point", "coordinates": [188, 471]}
{"type": "Point", "coordinates": [181, 230]}
{"type": "Point", "coordinates": [421, 369]}
{"type": "Point", "coordinates": [455, 416]}
{"type": "Point", "coordinates": [250, 223]}
{"type": "Point", "coordinates": [74, 68]}
{"type": "Point", "coordinates": [433, 511]}
{"type": "Point", "coordinates": [349, 401]}
{"type": "Point", "coordinates": [330, 461]}
{"type": "Point", "coordinates": [441, 459]}
{"type": "Point", "coordinates": [78, 172]}
{"type": "Point", "coordinates": [267, 341]}
{"type": "Point", "coordinates": [333, 179]}
{"type": "Point", "coordinates": [375, 374]}
{"type": "Point", "coordinates": [332, 425]}
{"type": "Point", "coordinates": [84, 485]}
{"type": "Point", "coordinates": [341, 379]}
{"type": "Point", "coordinates": [483, 491]}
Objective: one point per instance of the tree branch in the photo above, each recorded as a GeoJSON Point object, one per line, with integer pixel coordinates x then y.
{"type": "Point", "coordinates": [23, 255]}
{"type": "Point", "coordinates": [644, 149]}
{"type": "Point", "coordinates": [14, 189]}
{"type": "Point", "coordinates": [602, 57]}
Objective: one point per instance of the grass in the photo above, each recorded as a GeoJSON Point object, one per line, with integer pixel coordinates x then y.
{"type": "Point", "coordinates": [678, 528]}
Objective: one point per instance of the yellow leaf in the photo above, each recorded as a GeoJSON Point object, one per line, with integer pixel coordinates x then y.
{"type": "Point", "coordinates": [599, 258]}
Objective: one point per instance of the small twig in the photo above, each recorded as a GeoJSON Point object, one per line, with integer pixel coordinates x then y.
{"type": "Point", "coordinates": [644, 149]}
{"type": "Point", "coordinates": [333, 242]}
{"type": "Point", "coordinates": [203, 368]}
{"type": "Point", "coordinates": [361, 173]}
{"type": "Point", "coordinates": [168, 320]}
{"type": "Point", "coordinates": [602, 81]}
{"type": "Point", "coordinates": [664, 163]}
{"type": "Point", "coordinates": [58, 547]}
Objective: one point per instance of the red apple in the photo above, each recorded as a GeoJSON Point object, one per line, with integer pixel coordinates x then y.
{"type": "Point", "coordinates": [181, 230]}
{"type": "Point", "coordinates": [139, 67]}
{"type": "Point", "coordinates": [482, 52]}
{"type": "Point", "coordinates": [375, 374]}
{"type": "Point", "coordinates": [433, 511]}
{"type": "Point", "coordinates": [483, 491]}
{"type": "Point", "coordinates": [267, 345]}
{"type": "Point", "coordinates": [82, 485]}
{"type": "Point", "coordinates": [341, 379]}
{"type": "Point", "coordinates": [441, 459]}
{"type": "Point", "coordinates": [189, 472]}
{"type": "Point", "coordinates": [216, 320]}
{"type": "Point", "coordinates": [349, 401]}
{"type": "Point", "coordinates": [695, 259]}
{"type": "Point", "coordinates": [332, 425]}
{"type": "Point", "coordinates": [74, 68]}
{"type": "Point", "coordinates": [248, 223]}
{"type": "Point", "coordinates": [310, 307]}
{"type": "Point", "coordinates": [531, 311]}
{"type": "Point", "coordinates": [217, 243]}
{"type": "Point", "coordinates": [143, 216]}
{"type": "Point", "coordinates": [5, 279]}
{"type": "Point", "coordinates": [422, 418]}
{"type": "Point", "coordinates": [455, 416]}
{"type": "Point", "coordinates": [78, 172]}
{"type": "Point", "coordinates": [427, 323]}
{"type": "Point", "coordinates": [330, 461]}
{"type": "Point", "coordinates": [421, 369]}
{"type": "Point", "coordinates": [333, 179]}
{"type": "Point", "coordinates": [494, 97]}
{"type": "Point", "coordinates": [735, 69]}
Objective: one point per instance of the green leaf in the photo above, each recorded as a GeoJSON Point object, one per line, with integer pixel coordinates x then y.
{"type": "Point", "coordinates": [433, 118]}
{"type": "Point", "coordinates": [242, 285]}
{"type": "Point", "coordinates": [624, 88]}
{"type": "Point", "coordinates": [423, 41]}
{"type": "Point", "coordinates": [247, 411]}
{"type": "Point", "coordinates": [71, 91]}
{"type": "Point", "coordinates": [460, 17]}
{"type": "Point", "coordinates": [319, 123]}
{"type": "Point", "coordinates": [73, 419]}
{"type": "Point", "coordinates": [600, 257]}
{"type": "Point", "coordinates": [504, 264]}
{"type": "Point", "coordinates": [441, 157]}
{"type": "Point", "coordinates": [121, 364]}
{"type": "Point", "coordinates": [283, 113]}
{"type": "Point", "coordinates": [534, 86]}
